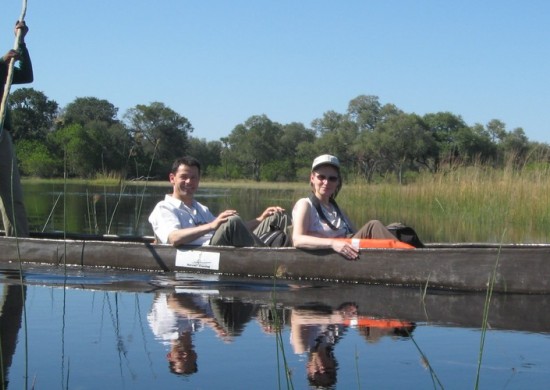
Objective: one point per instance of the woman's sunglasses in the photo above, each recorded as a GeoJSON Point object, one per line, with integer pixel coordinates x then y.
{"type": "Point", "coordinates": [332, 179]}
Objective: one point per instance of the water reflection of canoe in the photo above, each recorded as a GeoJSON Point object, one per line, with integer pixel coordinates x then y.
{"type": "Point", "coordinates": [468, 267]}
{"type": "Point", "coordinates": [517, 312]}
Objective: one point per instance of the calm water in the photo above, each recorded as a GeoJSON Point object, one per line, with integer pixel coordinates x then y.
{"type": "Point", "coordinates": [109, 330]}
{"type": "Point", "coordinates": [139, 331]}
{"type": "Point", "coordinates": [114, 210]}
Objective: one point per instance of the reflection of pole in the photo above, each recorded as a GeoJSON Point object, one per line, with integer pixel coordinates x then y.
{"type": "Point", "coordinates": [10, 322]}
{"type": "Point", "coordinates": [9, 78]}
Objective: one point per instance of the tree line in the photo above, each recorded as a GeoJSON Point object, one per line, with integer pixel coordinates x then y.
{"type": "Point", "coordinates": [87, 139]}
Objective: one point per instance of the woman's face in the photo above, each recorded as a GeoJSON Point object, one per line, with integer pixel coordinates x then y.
{"type": "Point", "coordinates": [324, 180]}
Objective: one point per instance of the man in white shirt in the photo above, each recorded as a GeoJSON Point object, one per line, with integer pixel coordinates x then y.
{"type": "Point", "coordinates": [179, 219]}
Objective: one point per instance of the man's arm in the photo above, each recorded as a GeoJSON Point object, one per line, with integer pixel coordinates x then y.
{"type": "Point", "coordinates": [185, 235]}
{"type": "Point", "coordinates": [188, 234]}
{"type": "Point", "coordinates": [22, 74]}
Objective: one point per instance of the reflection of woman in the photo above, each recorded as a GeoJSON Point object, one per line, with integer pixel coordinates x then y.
{"type": "Point", "coordinates": [315, 330]}
{"type": "Point", "coordinates": [173, 319]}
{"type": "Point", "coordinates": [322, 365]}
{"type": "Point", "coordinates": [317, 220]}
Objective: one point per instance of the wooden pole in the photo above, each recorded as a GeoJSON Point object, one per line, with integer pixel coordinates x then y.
{"type": "Point", "coordinates": [9, 78]}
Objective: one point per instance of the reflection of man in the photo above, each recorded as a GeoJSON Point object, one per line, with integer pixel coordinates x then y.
{"type": "Point", "coordinates": [173, 320]}
{"type": "Point", "coordinates": [182, 358]}
{"type": "Point", "coordinates": [11, 308]}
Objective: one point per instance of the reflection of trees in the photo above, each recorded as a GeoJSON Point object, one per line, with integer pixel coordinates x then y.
{"type": "Point", "coordinates": [11, 310]}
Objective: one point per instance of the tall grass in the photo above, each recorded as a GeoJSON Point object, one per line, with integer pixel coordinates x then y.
{"type": "Point", "coordinates": [467, 204]}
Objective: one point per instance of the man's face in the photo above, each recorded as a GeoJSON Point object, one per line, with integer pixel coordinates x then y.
{"type": "Point", "coordinates": [185, 181]}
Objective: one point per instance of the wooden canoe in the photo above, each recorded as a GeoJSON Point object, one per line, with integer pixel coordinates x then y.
{"type": "Point", "coordinates": [463, 267]}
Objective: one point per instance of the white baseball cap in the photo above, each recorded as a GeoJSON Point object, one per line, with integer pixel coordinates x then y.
{"type": "Point", "coordinates": [325, 159]}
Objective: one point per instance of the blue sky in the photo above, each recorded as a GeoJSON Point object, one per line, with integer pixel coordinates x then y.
{"type": "Point", "coordinates": [219, 62]}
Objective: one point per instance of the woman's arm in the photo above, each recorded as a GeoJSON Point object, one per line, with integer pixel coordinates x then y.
{"type": "Point", "coordinates": [303, 238]}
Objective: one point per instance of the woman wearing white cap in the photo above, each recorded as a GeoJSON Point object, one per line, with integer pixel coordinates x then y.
{"type": "Point", "coordinates": [317, 220]}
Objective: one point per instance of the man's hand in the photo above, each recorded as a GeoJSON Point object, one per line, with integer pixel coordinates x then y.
{"type": "Point", "coordinates": [23, 28]}
{"type": "Point", "coordinates": [9, 55]}
{"type": "Point", "coordinates": [221, 218]}
{"type": "Point", "coordinates": [268, 212]}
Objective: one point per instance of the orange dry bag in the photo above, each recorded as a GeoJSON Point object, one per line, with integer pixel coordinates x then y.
{"type": "Point", "coordinates": [377, 243]}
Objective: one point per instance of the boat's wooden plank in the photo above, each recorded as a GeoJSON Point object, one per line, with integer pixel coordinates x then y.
{"type": "Point", "coordinates": [519, 269]}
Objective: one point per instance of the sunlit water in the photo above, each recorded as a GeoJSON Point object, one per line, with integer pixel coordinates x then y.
{"type": "Point", "coordinates": [96, 330]}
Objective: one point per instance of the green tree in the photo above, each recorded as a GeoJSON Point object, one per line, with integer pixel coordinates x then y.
{"type": "Point", "coordinates": [87, 109]}
{"type": "Point", "coordinates": [109, 147]}
{"type": "Point", "coordinates": [32, 114]}
{"type": "Point", "coordinates": [365, 111]}
{"type": "Point", "coordinates": [160, 135]}
{"type": "Point", "coordinates": [337, 135]}
{"type": "Point", "coordinates": [475, 145]}
{"type": "Point", "coordinates": [207, 152]}
{"type": "Point", "coordinates": [295, 139]}
{"type": "Point", "coordinates": [388, 111]}
{"type": "Point", "coordinates": [91, 138]}
{"type": "Point", "coordinates": [254, 144]}
{"type": "Point", "coordinates": [72, 145]}
{"type": "Point", "coordinates": [445, 128]}
{"type": "Point", "coordinates": [496, 130]}
{"type": "Point", "coordinates": [400, 143]}
{"type": "Point", "coordinates": [515, 146]}
{"type": "Point", "coordinates": [328, 123]}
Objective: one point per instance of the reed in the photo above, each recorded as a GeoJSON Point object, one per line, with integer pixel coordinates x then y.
{"type": "Point", "coordinates": [278, 325]}
{"type": "Point", "coordinates": [467, 204]}
{"type": "Point", "coordinates": [485, 321]}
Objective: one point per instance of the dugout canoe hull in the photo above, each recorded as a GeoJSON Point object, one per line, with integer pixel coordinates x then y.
{"type": "Point", "coordinates": [463, 267]}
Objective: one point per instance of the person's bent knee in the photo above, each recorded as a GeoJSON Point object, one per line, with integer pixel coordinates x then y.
{"type": "Point", "coordinates": [234, 220]}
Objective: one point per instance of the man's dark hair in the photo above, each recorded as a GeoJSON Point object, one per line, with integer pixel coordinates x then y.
{"type": "Point", "coordinates": [186, 160]}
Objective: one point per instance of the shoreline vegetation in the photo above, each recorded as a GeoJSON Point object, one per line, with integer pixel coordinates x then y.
{"type": "Point", "coordinates": [466, 204]}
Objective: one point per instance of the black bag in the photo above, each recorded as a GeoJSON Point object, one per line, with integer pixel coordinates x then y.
{"type": "Point", "coordinates": [405, 234]}
{"type": "Point", "coordinates": [276, 238]}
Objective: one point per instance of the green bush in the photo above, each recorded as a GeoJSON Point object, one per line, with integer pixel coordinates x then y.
{"type": "Point", "coordinates": [36, 160]}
